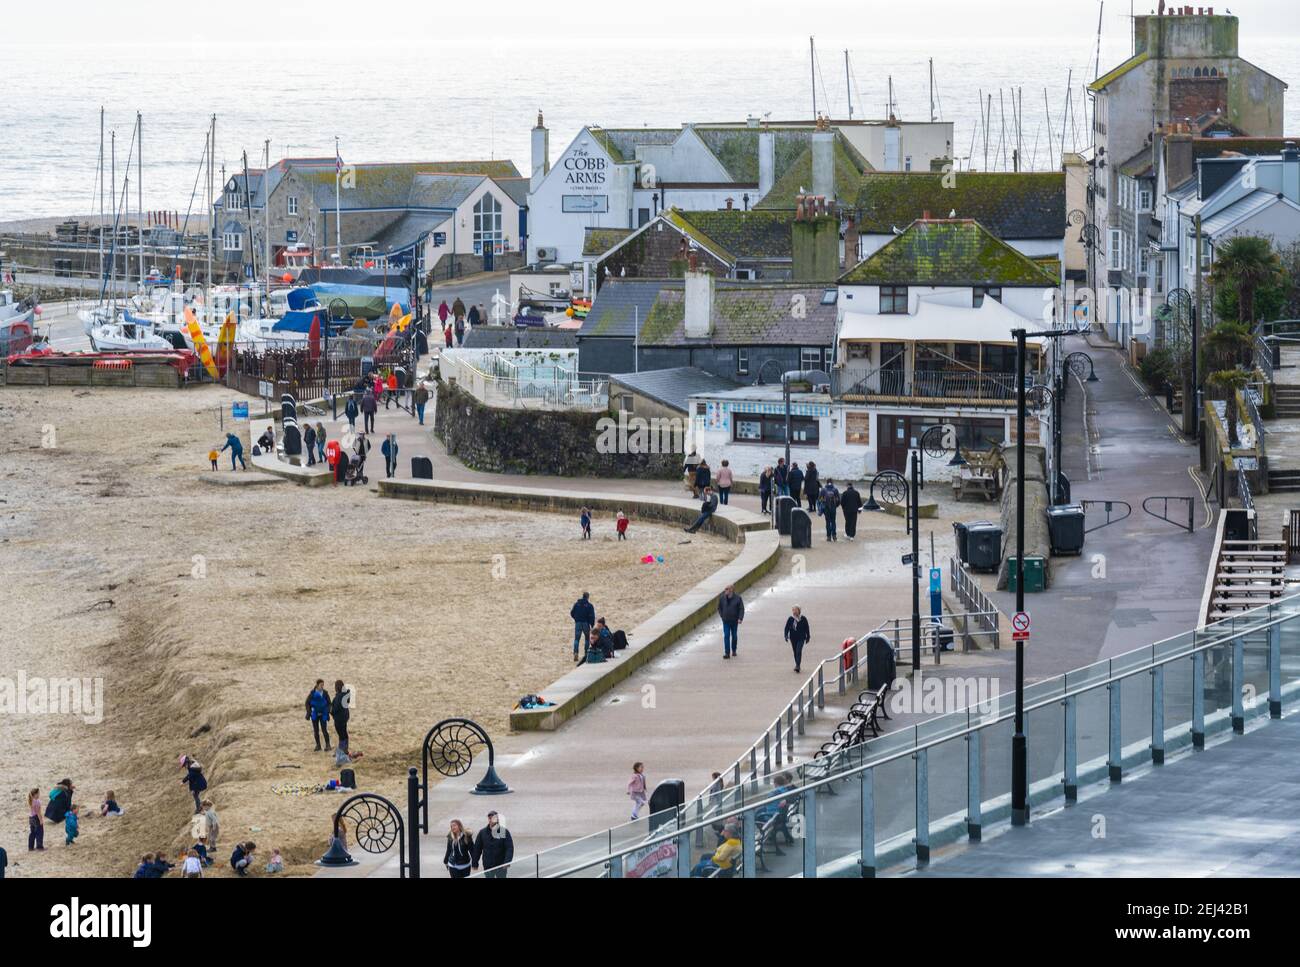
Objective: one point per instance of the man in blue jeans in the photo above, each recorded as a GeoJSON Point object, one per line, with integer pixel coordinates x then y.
{"type": "Point", "coordinates": [583, 614]}
{"type": "Point", "coordinates": [732, 612]}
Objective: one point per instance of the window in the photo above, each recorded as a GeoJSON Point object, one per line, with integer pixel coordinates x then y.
{"type": "Point", "coordinates": [907, 163]}
{"type": "Point", "coordinates": [753, 428]}
{"type": "Point", "coordinates": [293, 204]}
{"type": "Point", "coordinates": [893, 299]}
{"type": "Point", "coordinates": [1159, 284]}
{"type": "Point", "coordinates": [1144, 200]}
{"type": "Point", "coordinates": [232, 241]}
{"type": "Point", "coordinates": [742, 361]}
{"type": "Point", "coordinates": [1114, 254]}
{"type": "Point", "coordinates": [857, 429]}
{"type": "Point", "coordinates": [1144, 261]}
{"type": "Point", "coordinates": [810, 358]}
{"type": "Point", "coordinates": [234, 202]}
{"type": "Point", "coordinates": [642, 216]}
{"type": "Point", "coordinates": [830, 296]}
{"type": "Point", "coordinates": [625, 402]}
{"type": "Point", "coordinates": [487, 223]}
{"type": "Point", "coordinates": [994, 292]}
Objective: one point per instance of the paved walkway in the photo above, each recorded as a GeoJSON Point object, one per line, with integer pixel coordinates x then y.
{"type": "Point", "coordinates": [1228, 810]}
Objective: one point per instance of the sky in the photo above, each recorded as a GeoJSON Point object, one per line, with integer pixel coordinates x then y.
{"type": "Point", "coordinates": [560, 28]}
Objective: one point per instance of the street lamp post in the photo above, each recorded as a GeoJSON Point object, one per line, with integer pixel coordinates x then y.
{"type": "Point", "coordinates": [1019, 757]}
{"type": "Point", "coordinates": [914, 517]}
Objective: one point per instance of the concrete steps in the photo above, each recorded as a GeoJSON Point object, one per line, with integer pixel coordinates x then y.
{"type": "Point", "coordinates": [1284, 481]}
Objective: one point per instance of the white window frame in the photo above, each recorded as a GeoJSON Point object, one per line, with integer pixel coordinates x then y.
{"type": "Point", "coordinates": [292, 205]}
{"type": "Point", "coordinates": [1115, 251]}
{"type": "Point", "coordinates": [742, 362]}
{"type": "Point", "coordinates": [233, 202]}
{"type": "Point", "coordinates": [232, 241]}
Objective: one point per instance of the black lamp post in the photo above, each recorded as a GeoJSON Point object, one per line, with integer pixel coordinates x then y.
{"type": "Point", "coordinates": [1180, 300]}
{"type": "Point", "coordinates": [1019, 751]}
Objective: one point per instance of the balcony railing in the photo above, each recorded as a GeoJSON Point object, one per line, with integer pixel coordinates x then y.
{"type": "Point", "coordinates": [961, 384]}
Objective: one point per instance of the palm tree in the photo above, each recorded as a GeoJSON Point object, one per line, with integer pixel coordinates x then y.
{"type": "Point", "coordinates": [1229, 382]}
{"type": "Point", "coordinates": [1227, 345]}
{"type": "Point", "coordinates": [1244, 264]}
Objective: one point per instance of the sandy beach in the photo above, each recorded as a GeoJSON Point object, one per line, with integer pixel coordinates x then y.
{"type": "Point", "coordinates": [207, 612]}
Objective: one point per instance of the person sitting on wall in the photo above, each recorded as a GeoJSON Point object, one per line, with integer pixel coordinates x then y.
{"type": "Point", "coordinates": [707, 509]}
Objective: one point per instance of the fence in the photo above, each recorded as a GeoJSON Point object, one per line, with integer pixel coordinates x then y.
{"type": "Point", "coordinates": [499, 381]}
{"type": "Point", "coordinates": [889, 800]}
{"type": "Point", "coordinates": [970, 594]}
{"type": "Point", "coordinates": [936, 385]}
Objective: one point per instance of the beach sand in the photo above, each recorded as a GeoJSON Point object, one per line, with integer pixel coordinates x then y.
{"type": "Point", "coordinates": [209, 611]}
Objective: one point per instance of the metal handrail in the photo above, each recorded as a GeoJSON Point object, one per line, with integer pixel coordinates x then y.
{"type": "Point", "coordinates": [984, 720]}
{"type": "Point", "coordinates": [970, 593]}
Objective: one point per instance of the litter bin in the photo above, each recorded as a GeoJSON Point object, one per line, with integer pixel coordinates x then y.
{"type": "Point", "coordinates": [880, 662]}
{"type": "Point", "coordinates": [984, 546]}
{"type": "Point", "coordinates": [945, 636]}
{"type": "Point", "coordinates": [1065, 528]}
{"type": "Point", "coordinates": [668, 795]}
{"type": "Point", "coordinates": [784, 505]}
{"type": "Point", "coordinates": [963, 543]}
{"type": "Point", "coordinates": [1035, 574]}
{"type": "Point", "coordinates": [800, 528]}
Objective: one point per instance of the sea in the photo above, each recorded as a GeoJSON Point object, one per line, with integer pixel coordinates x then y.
{"type": "Point", "coordinates": [482, 103]}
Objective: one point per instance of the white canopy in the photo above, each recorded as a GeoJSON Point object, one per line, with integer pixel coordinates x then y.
{"type": "Point", "coordinates": [992, 322]}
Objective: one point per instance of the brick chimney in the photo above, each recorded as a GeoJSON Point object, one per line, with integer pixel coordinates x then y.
{"type": "Point", "coordinates": [1180, 162]}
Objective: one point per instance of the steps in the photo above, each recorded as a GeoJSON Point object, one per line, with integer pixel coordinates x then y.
{"type": "Point", "coordinates": [1286, 402]}
{"type": "Point", "coordinates": [1249, 574]}
{"type": "Point", "coordinates": [1284, 481]}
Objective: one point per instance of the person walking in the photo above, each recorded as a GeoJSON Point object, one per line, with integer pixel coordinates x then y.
{"type": "Point", "coordinates": [318, 713]}
{"type": "Point", "coordinates": [71, 826]}
{"type": "Point", "coordinates": [812, 486]}
{"type": "Point", "coordinates": [781, 479]}
{"type": "Point", "coordinates": [35, 823]}
{"type": "Point", "coordinates": [389, 449]}
{"type": "Point", "coordinates": [725, 479]}
{"type": "Point", "coordinates": [731, 609]}
{"type": "Point", "coordinates": [195, 780]}
{"type": "Point", "coordinates": [341, 711]}
{"type": "Point", "coordinates": [850, 504]}
{"type": "Point", "coordinates": [636, 789]}
{"type": "Point", "coordinates": [702, 477]}
{"type": "Point", "coordinates": [309, 443]}
{"type": "Point", "coordinates": [320, 442]}
{"type": "Point", "coordinates": [494, 848]}
{"type": "Point", "coordinates": [350, 411]}
{"type": "Point", "coordinates": [369, 406]}
{"type": "Point", "coordinates": [620, 526]}
{"type": "Point", "coordinates": [707, 509]}
{"type": "Point", "coordinates": [765, 490]}
{"type": "Point", "coordinates": [421, 400]}
{"type": "Point", "coordinates": [795, 481]}
{"type": "Point", "coordinates": [459, 855]}
{"type": "Point", "coordinates": [236, 448]}
{"type": "Point", "coordinates": [447, 334]}
{"type": "Point", "coordinates": [830, 502]}
{"type": "Point", "coordinates": [390, 389]}
{"type": "Point", "coordinates": [583, 614]}
{"type": "Point", "coordinates": [798, 633]}
{"type": "Point", "coordinates": [443, 312]}
{"type": "Point", "coordinates": [474, 316]}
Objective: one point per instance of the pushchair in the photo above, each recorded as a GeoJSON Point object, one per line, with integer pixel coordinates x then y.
{"type": "Point", "coordinates": [355, 471]}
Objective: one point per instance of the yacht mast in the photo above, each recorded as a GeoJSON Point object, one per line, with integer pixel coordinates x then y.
{"type": "Point", "coordinates": [139, 188]}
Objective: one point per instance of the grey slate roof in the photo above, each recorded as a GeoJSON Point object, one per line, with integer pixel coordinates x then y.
{"type": "Point", "coordinates": [407, 230]}
{"type": "Point", "coordinates": [672, 387]}
{"type": "Point", "coordinates": [746, 314]}
{"type": "Point", "coordinates": [511, 337]}
{"type": "Point", "coordinates": [618, 305]}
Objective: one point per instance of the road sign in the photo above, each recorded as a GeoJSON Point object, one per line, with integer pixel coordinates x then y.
{"type": "Point", "coordinates": [1020, 626]}
{"type": "Point", "coordinates": [936, 582]}
{"type": "Point", "coordinates": [265, 389]}
{"type": "Point", "coordinates": [239, 411]}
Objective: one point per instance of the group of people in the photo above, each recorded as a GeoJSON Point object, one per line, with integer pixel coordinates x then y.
{"type": "Point", "coordinates": [320, 709]}
{"type": "Point", "coordinates": [456, 321]}
{"type": "Point", "coordinates": [597, 641]}
{"type": "Point", "coordinates": [823, 498]}
{"type": "Point", "coordinates": [585, 517]}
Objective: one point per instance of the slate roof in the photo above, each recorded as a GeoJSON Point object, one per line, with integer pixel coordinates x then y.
{"type": "Point", "coordinates": [406, 230]}
{"type": "Point", "coordinates": [516, 188]}
{"type": "Point", "coordinates": [512, 337]}
{"type": "Point", "coordinates": [755, 234]}
{"type": "Point", "coordinates": [745, 314]}
{"type": "Point", "coordinates": [399, 185]}
{"type": "Point", "coordinates": [734, 146]}
{"type": "Point", "coordinates": [1140, 165]}
{"type": "Point", "coordinates": [1214, 147]}
{"type": "Point", "coordinates": [798, 177]}
{"type": "Point", "coordinates": [1009, 204]}
{"type": "Point", "coordinates": [598, 241]}
{"type": "Point", "coordinates": [957, 252]}
{"type": "Point", "coordinates": [617, 306]}
{"type": "Point", "coordinates": [672, 387]}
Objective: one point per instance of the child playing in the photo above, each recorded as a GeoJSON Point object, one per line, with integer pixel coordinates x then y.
{"type": "Point", "coordinates": [621, 526]}
{"type": "Point", "coordinates": [586, 524]}
{"type": "Point", "coordinates": [193, 866]}
{"type": "Point", "coordinates": [276, 864]}
{"type": "Point", "coordinates": [70, 825]}
{"type": "Point", "coordinates": [212, 825]}
{"type": "Point", "coordinates": [201, 850]}
{"type": "Point", "coordinates": [109, 806]}
{"type": "Point", "coordinates": [212, 457]}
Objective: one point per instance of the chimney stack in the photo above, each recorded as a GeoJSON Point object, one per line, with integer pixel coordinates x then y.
{"type": "Point", "coordinates": [1291, 172]}
{"type": "Point", "coordinates": [823, 161]}
{"type": "Point", "coordinates": [698, 303]}
{"type": "Point", "coordinates": [766, 162]}
{"type": "Point", "coordinates": [541, 154]}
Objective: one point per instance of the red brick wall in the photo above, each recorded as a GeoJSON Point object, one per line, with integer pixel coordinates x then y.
{"type": "Point", "coordinates": [1195, 96]}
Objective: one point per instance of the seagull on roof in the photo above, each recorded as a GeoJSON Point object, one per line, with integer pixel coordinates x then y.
{"type": "Point", "coordinates": [953, 213]}
{"type": "Point", "coordinates": [896, 230]}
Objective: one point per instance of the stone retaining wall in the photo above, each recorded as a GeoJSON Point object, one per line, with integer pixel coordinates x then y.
{"type": "Point", "coordinates": [587, 683]}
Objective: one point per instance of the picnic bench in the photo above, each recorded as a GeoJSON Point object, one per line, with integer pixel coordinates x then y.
{"type": "Point", "coordinates": [982, 474]}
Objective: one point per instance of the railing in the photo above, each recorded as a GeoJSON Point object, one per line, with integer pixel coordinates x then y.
{"type": "Point", "coordinates": [502, 383]}
{"type": "Point", "coordinates": [889, 800]}
{"type": "Point", "coordinates": [1252, 396]}
{"type": "Point", "coordinates": [923, 384]}
{"type": "Point", "coordinates": [1264, 357]}
{"type": "Point", "coordinates": [970, 594]}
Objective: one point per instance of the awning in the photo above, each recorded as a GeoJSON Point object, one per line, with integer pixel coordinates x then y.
{"type": "Point", "coordinates": [992, 322]}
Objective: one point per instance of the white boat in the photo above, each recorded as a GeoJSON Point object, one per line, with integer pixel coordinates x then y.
{"type": "Point", "coordinates": [125, 336]}
{"type": "Point", "coordinates": [16, 320]}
